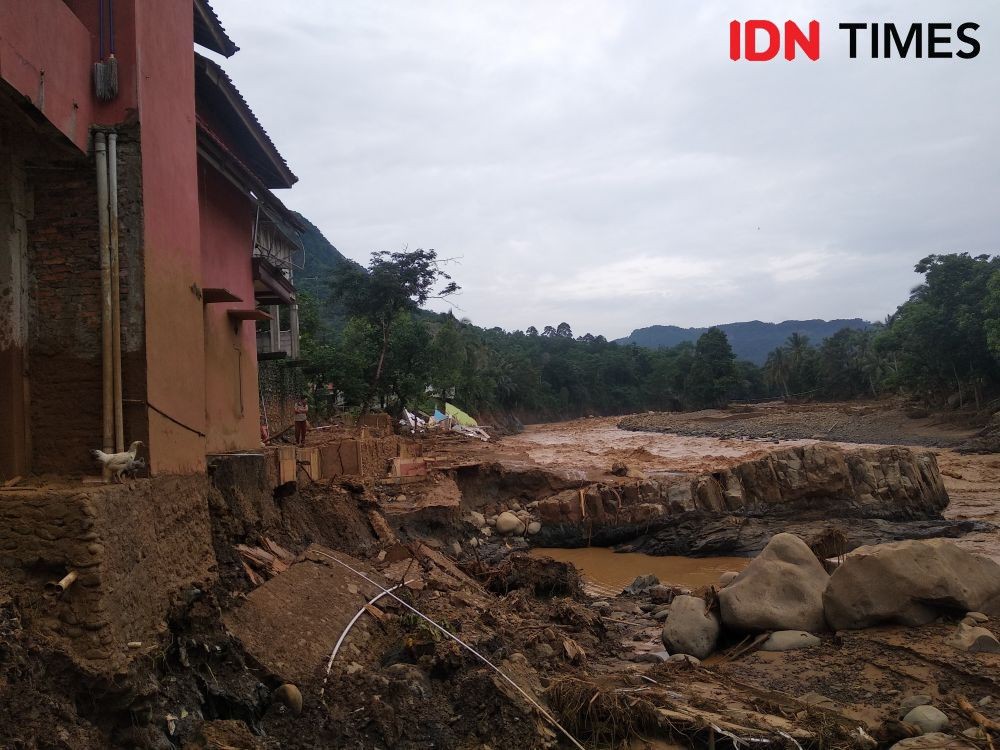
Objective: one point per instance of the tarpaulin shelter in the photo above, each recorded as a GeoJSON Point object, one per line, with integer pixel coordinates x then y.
{"type": "Point", "coordinates": [459, 416]}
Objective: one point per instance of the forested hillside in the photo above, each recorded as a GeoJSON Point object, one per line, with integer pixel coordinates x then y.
{"type": "Point", "coordinates": [318, 262]}
{"type": "Point", "coordinates": [365, 332]}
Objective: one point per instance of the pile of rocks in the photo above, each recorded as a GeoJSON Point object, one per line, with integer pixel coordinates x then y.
{"type": "Point", "coordinates": [787, 592]}
{"type": "Point", "coordinates": [515, 522]}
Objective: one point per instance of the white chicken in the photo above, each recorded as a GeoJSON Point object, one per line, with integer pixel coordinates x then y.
{"type": "Point", "coordinates": [115, 464]}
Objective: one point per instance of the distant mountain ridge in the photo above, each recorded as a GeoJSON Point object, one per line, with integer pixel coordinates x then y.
{"type": "Point", "coordinates": [752, 340]}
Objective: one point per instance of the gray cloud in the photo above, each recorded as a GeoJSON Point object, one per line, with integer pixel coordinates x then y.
{"type": "Point", "coordinates": [604, 162]}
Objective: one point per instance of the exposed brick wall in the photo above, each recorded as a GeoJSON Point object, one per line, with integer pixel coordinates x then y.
{"type": "Point", "coordinates": [132, 284]}
{"type": "Point", "coordinates": [65, 319]}
{"type": "Point", "coordinates": [65, 324]}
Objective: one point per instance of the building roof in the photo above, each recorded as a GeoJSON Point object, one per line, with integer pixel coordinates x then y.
{"type": "Point", "coordinates": [214, 149]}
{"type": "Point", "coordinates": [208, 31]}
{"type": "Point", "coordinates": [223, 110]}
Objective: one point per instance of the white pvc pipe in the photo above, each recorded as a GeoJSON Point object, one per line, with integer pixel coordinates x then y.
{"type": "Point", "coordinates": [116, 308]}
{"type": "Point", "coordinates": [107, 374]}
{"type": "Point", "coordinates": [336, 648]}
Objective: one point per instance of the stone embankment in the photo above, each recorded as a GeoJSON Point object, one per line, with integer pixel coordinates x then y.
{"type": "Point", "coordinates": [125, 554]}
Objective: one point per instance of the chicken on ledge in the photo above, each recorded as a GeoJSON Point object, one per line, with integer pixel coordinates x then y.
{"type": "Point", "coordinates": [115, 464]}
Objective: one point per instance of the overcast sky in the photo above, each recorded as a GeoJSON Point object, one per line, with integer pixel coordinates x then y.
{"type": "Point", "coordinates": [604, 163]}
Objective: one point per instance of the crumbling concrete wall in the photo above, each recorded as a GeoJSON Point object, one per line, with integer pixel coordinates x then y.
{"type": "Point", "coordinates": [243, 494]}
{"type": "Point", "coordinates": [137, 550]}
{"type": "Point", "coordinates": [377, 453]}
{"type": "Point", "coordinates": [280, 625]}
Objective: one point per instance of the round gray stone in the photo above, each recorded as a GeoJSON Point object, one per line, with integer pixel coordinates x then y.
{"type": "Point", "coordinates": [927, 719]}
{"type": "Point", "coordinates": [910, 702]}
{"type": "Point", "coordinates": [789, 640]}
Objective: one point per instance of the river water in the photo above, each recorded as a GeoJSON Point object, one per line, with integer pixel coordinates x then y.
{"type": "Point", "coordinates": [615, 571]}
{"type": "Point", "coordinates": [589, 447]}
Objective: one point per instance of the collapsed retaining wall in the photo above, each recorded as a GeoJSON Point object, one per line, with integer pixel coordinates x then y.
{"type": "Point", "coordinates": [735, 510]}
{"type": "Point", "coordinates": [137, 549]}
{"type": "Point", "coordinates": [889, 483]}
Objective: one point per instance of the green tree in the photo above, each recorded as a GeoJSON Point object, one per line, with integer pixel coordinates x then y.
{"type": "Point", "coordinates": [393, 283]}
{"type": "Point", "coordinates": [777, 369]}
{"type": "Point", "coordinates": [941, 334]}
{"type": "Point", "coordinates": [712, 376]}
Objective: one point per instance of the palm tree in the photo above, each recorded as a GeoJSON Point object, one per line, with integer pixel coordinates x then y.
{"type": "Point", "coordinates": [777, 369]}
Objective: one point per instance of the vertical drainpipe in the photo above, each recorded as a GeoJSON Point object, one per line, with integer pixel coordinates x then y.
{"type": "Point", "coordinates": [116, 309]}
{"type": "Point", "coordinates": [107, 352]}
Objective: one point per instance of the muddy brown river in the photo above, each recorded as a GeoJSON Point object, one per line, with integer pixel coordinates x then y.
{"type": "Point", "coordinates": [616, 570]}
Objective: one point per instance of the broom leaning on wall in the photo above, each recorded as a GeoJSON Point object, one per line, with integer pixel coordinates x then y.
{"type": "Point", "coordinates": [106, 68]}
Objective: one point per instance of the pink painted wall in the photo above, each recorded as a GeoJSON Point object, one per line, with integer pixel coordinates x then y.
{"type": "Point", "coordinates": [192, 361]}
{"type": "Point", "coordinates": [60, 37]}
{"type": "Point", "coordinates": [124, 105]}
{"type": "Point", "coordinates": [231, 397]}
{"type": "Point", "coordinates": [28, 29]}
{"type": "Point", "coordinates": [175, 330]}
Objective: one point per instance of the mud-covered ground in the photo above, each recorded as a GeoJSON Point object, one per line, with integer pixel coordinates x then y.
{"type": "Point", "coordinates": [581, 660]}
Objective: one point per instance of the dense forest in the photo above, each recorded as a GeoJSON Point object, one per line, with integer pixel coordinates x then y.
{"type": "Point", "coordinates": [941, 345]}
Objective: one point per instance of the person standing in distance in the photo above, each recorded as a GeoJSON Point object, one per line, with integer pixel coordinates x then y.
{"type": "Point", "coordinates": [301, 420]}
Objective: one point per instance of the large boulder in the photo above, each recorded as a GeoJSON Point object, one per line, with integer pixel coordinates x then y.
{"type": "Point", "coordinates": [781, 589]}
{"type": "Point", "coordinates": [690, 628]}
{"type": "Point", "coordinates": [508, 523]}
{"type": "Point", "coordinates": [910, 583]}
{"type": "Point", "coordinates": [642, 584]}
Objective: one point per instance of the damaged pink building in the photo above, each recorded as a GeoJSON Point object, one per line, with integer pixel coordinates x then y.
{"type": "Point", "coordinates": [141, 241]}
